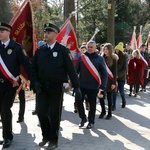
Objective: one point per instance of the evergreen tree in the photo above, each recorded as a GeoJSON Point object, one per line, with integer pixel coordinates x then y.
{"type": "Point", "coordinates": [5, 11]}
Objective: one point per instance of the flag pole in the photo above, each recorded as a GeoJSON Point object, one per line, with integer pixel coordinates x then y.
{"type": "Point", "coordinates": [96, 31]}
{"type": "Point", "coordinates": [141, 27]}
{"type": "Point", "coordinates": [70, 16]}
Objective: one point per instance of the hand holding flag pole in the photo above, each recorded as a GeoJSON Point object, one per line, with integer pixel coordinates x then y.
{"type": "Point", "coordinates": [25, 82]}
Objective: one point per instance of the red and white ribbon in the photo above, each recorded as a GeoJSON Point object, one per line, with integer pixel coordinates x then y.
{"type": "Point", "coordinates": [6, 72]}
{"type": "Point", "coordinates": [110, 75]}
{"type": "Point", "coordinates": [91, 68]}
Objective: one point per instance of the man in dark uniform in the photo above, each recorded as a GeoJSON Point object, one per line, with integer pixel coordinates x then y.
{"type": "Point", "coordinates": [12, 56]}
{"type": "Point", "coordinates": [146, 56]}
{"type": "Point", "coordinates": [52, 63]}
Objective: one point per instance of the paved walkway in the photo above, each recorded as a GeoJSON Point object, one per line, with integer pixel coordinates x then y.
{"type": "Point", "coordinates": [129, 128]}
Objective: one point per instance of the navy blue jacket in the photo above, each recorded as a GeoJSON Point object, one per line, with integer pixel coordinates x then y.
{"type": "Point", "coordinates": [85, 77]}
{"type": "Point", "coordinates": [53, 66]}
{"type": "Point", "coordinates": [13, 56]}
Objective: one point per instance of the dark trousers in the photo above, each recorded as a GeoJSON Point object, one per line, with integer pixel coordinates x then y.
{"type": "Point", "coordinates": [102, 103]}
{"type": "Point", "coordinates": [121, 89]}
{"type": "Point", "coordinates": [7, 95]}
{"type": "Point", "coordinates": [136, 88]}
{"type": "Point", "coordinates": [92, 96]}
{"type": "Point", "coordinates": [49, 111]}
{"type": "Point", "coordinates": [22, 103]}
{"type": "Point", "coordinates": [145, 79]}
{"type": "Point", "coordinates": [114, 98]}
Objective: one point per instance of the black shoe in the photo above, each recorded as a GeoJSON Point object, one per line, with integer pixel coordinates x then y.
{"type": "Point", "coordinates": [135, 95]}
{"type": "Point", "coordinates": [21, 119]}
{"type": "Point", "coordinates": [108, 117]}
{"type": "Point", "coordinates": [34, 112]}
{"type": "Point", "coordinates": [83, 121]}
{"type": "Point", "coordinates": [90, 126]}
{"type": "Point", "coordinates": [113, 108]}
{"type": "Point", "coordinates": [1, 142]}
{"type": "Point", "coordinates": [123, 104]}
{"type": "Point", "coordinates": [75, 111]}
{"type": "Point", "coordinates": [6, 143]}
{"type": "Point", "coordinates": [52, 145]}
{"type": "Point", "coordinates": [102, 115]}
{"type": "Point", "coordinates": [144, 90]}
{"type": "Point", "coordinates": [43, 142]}
{"type": "Point", "coordinates": [130, 94]}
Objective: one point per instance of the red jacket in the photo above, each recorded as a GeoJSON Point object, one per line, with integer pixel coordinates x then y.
{"type": "Point", "coordinates": [135, 72]}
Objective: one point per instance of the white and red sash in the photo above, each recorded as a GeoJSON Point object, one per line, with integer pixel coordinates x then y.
{"type": "Point", "coordinates": [109, 73]}
{"type": "Point", "coordinates": [145, 62]}
{"type": "Point", "coordinates": [91, 68]}
{"type": "Point", "coordinates": [6, 72]}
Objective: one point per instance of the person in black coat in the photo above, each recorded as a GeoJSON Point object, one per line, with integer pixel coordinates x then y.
{"type": "Point", "coordinates": [12, 56]}
{"type": "Point", "coordinates": [111, 63]}
{"type": "Point", "coordinates": [51, 65]}
{"type": "Point", "coordinates": [88, 84]}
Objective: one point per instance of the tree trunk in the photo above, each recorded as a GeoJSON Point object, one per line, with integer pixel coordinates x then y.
{"type": "Point", "coordinates": [110, 22]}
{"type": "Point", "coordinates": [69, 7]}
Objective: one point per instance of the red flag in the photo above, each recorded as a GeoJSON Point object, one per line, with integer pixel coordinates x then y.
{"type": "Point", "coordinates": [139, 39]}
{"type": "Point", "coordinates": [22, 24]}
{"type": "Point", "coordinates": [35, 41]}
{"type": "Point", "coordinates": [133, 40]}
{"type": "Point", "coordinates": [22, 29]}
{"type": "Point", "coordinates": [67, 38]}
{"type": "Point", "coordinates": [148, 42]}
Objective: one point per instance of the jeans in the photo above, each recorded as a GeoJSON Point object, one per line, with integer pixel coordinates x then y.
{"type": "Point", "coordinates": [121, 84]}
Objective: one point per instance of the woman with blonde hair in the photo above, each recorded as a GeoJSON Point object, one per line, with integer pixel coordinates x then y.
{"type": "Point", "coordinates": [111, 65]}
{"type": "Point", "coordinates": [135, 72]}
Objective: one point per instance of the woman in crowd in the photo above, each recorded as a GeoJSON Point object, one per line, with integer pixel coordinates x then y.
{"type": "Point", "coordinates": [135, 72]}
{"type": "Point", "coordinates": [111, 65]}
{"type": "Point", "coordinates": [121, 71]}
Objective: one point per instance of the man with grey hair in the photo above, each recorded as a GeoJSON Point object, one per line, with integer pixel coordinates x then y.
{"type": "Point", "coordinates": [92, 73]}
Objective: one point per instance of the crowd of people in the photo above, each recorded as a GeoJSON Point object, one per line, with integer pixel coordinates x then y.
{"type": "Point", "coordinates": [98, 74]}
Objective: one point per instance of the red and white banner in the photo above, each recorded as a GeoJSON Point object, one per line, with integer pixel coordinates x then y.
{"type": "Point", "coordinates": [67, 38]}
{"type": "Point", "coordinates": [133, 40]}
{"type": "Point", "coordinates": [91, 68]}
{"type": "Point", "coordinates": [139, 39]}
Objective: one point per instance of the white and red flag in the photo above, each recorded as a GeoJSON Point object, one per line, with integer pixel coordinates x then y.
{"type": "Point", "coordinates": [67, 37]}
{"type": "Point", "coordinates": [139, 39]}
{"type": "Point", "coordinates": [133, 40]}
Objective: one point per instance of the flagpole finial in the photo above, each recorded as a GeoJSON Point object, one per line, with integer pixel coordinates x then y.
{"type": "Point", "coordinates": [134, 28]}
{"type": "Point", "coordinates": [72, 14]}
{"type": "Point", "coordinates": [97, 30]}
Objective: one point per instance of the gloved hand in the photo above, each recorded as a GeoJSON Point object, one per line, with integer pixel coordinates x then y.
{"type": "Point", "coordinates": [78, 94]}
{"type": "Point", "coordinates": [37, 87]}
